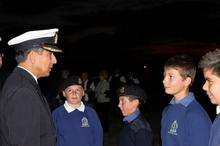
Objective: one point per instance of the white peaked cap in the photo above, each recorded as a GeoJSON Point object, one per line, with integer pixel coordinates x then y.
{"type": "Point", "coordinates": [46, 39]}
{"type": "Point", "coordinates": [31, 35]}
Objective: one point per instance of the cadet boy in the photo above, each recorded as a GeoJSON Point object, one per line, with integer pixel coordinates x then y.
{"type": "Point", "coordinates": [137, 131]}
{"type": "Point", "coordinates": [25, 115]}
{"type": "Point", "coordinates": [76, 123]}
{"type": "Point", "coordinates": [210, 63]}
{"type": "Point", "coordinates": [184, 121]}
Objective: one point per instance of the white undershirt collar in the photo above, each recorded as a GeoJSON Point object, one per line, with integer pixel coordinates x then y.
{"type": "Point", "coordinates": [70, 109]}
{"type": "Point", "coordinates": [35, 78]}
{"type": "Point", "coordinates": [217, 109]}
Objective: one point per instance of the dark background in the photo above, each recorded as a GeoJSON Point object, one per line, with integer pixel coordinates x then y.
{"type": "Point", "coordinates": [111, 33]}
{"type": "Point", "coordinates": [125, 34]}
{"type": "Point", "coordinates": [118, 30]}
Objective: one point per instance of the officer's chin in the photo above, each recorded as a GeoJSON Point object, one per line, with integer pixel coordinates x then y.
{"type": "Point", "coordinates": [44, 75]}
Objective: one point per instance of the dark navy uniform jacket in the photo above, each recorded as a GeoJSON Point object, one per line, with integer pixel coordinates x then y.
{"type": "Point", "coordinates": [25, 118]}
{"type": "Point", "coordinates": [136, 133]}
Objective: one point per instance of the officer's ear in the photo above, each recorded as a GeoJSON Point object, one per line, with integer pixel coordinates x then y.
{"type": "Point", "coordinates": [31, 56]}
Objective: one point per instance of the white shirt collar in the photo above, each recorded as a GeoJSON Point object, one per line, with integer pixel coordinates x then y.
{"type": "Point", "coordinates": [35, 78]}
{"type": "Point", "coordinates": [218, 109]}
{"type": "Point", "coordinates": [70, 109]}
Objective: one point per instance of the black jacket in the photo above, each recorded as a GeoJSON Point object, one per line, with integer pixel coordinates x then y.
{"type": "Point", "coordinates": [136, 133]}
{"type": "Point", "coordinates": [25, 118]}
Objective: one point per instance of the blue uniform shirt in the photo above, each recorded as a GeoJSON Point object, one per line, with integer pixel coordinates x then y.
{"type": "Point", "coordinates": [132, 116]}
{"type": "Point", "coordinates": [185, 123]}
{"type": "Point", "coordinates": [185, 101]}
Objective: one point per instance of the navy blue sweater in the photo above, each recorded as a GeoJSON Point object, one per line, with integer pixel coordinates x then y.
{"type": "Point", "coordinates": [185, 125]}
{"type": "Point", "coordinates": [215, 133]}
{"type": "Point", "coordinates": [78, 128]}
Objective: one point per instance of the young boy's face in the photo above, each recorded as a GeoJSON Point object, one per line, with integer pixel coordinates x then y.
{"type": "Point", "coordinates": [212, 86]}
{"type": "Point", "coordinates": [174, 83]}
{"type": "Point", "coordinates": [126, 106]}
{"type": "Point", "coordinates": [73, 94]}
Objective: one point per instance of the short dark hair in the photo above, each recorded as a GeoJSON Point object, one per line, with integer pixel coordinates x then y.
{"type": "Point", "coordinates": [211, 60]}
{"type": "Point", "coordinates": [183, 62]}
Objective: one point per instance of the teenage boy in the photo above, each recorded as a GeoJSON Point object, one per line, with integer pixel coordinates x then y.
{"type": "Point", "coordinates": [184, 121]}
{"type": "Point", "coordinates": [137, 131]}
{"type": "Point", "coordinates": [210, 64]}
{"type": "Point", "coordinates": [76, 123]}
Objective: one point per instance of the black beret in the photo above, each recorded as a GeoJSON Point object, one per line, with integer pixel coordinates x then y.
{"type": "Point", "coordinates": [72, 80]}
{"type": "Point", "coordinates": [134, 92]}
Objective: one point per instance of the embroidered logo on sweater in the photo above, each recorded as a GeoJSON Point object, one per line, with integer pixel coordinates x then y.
{"type": "Point", "coordinates": [85, 122]}
{"type": "Point", "coordinates": [173, 128]}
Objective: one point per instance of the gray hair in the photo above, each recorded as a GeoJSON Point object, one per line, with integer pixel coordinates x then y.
{"type": "Point", "coordinates": [22, 55]}
{"type": "Point", "coordinates": [211, 60]}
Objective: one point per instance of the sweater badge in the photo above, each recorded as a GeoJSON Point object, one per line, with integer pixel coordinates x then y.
{"type": "Point", "coordinates": [173, 128]}
{"type": "Point", "coordinates": [85, 122]}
